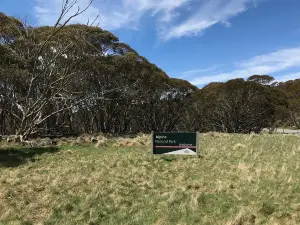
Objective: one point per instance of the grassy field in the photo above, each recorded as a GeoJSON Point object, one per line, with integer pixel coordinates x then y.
{"type": "Point", "coordinates": [240, 179]}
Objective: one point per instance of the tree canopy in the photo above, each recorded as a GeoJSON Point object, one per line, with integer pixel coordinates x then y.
{"type": "Point", "coordinates": [81, 79]}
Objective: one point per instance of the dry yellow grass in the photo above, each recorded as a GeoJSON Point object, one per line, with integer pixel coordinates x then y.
{"type": "Point", "coordinates": [141, 140]}
{"type": "Point", "coordinates": [240, 180]}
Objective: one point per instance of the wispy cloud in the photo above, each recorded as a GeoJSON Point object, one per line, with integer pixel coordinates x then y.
{"type": "Point", "coordinates": [208, 14]}
{"type": "Point", "coordinates": [196, 72]}
{"type": "Point", "coordinates": [115, 14]}
{"type": "Point", "coordinates": [289, 76]}
{"type": "Point", "coordinates": [274, 62]}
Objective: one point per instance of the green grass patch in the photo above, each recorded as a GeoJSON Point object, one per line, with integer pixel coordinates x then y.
{"type": "Point", "coordinates": [240, 179]}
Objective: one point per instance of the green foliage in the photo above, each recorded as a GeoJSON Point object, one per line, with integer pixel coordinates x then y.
{"type": "Point", "coordinates": [78, 79]}
{"type": "Point", "coordinates": [238, 106]}
{"type": "Point", "coordinates": [81, 72]}
{"type": "Point", "coordinates": [261, 79]}
{"type": "Point", "coordinates": [10, 29]}
{"type": "Point", "coordinates": [291, 90]}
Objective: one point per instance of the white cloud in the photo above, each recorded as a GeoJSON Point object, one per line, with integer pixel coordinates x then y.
{"type": "Point", "coordinates": [274, 62]}
{"type": "Point", "coordinates": [289, 76]}
{"type": "Point", "coordinates": [115, 14]}
{"type": "Point", "coordinates": [209, 14]}
{"type": "Point", "coordinates": [191, 73]}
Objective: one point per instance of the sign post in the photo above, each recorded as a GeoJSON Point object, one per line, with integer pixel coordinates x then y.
{"type": "Point", "coordinates": [175, 144]}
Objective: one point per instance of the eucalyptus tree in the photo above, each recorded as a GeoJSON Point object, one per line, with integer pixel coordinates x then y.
{"type": "Point", "coordinates": [36, 78]}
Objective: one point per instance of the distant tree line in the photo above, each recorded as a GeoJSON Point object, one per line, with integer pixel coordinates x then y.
{"type": "Point", "coordinates": [74, 79]}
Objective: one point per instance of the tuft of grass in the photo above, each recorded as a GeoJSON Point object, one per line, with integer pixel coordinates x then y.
{"type": "Point", "coordinates": [241, 179]}
{"type": "Point", "coordinates": [140, 140]}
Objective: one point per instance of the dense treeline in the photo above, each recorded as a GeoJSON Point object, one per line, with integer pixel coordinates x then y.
{"type": "Point", "coordinates": [73, 79]}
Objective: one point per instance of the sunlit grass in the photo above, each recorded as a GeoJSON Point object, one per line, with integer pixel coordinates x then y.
{"type": "Point", "coordinates": [240, 179]}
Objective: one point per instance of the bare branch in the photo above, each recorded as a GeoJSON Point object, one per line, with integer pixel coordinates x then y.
{"type": "Point", "coordinates": [66, 8]}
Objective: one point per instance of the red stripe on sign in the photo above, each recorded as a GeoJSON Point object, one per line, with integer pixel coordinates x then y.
{"type": "Point", "coordinates": [175, 146]}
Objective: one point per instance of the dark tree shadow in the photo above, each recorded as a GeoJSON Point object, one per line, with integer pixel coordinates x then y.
{"type": "Point", "coordinates": [11, 157]}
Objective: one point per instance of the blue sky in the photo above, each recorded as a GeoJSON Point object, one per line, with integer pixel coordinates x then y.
{"type": "Point", "coordinates": [202, 41]}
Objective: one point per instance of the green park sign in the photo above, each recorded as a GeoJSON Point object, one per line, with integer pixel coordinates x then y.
{"type": "Point", "coordinates": [175, 143]}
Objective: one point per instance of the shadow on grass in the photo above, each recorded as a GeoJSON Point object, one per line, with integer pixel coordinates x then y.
{"type": "Point", "coordinates": [176, 158]}
{"type": "Point", "coordinates": [11, 157]}
{"type": "Point", "coordinates": [169, 159]}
